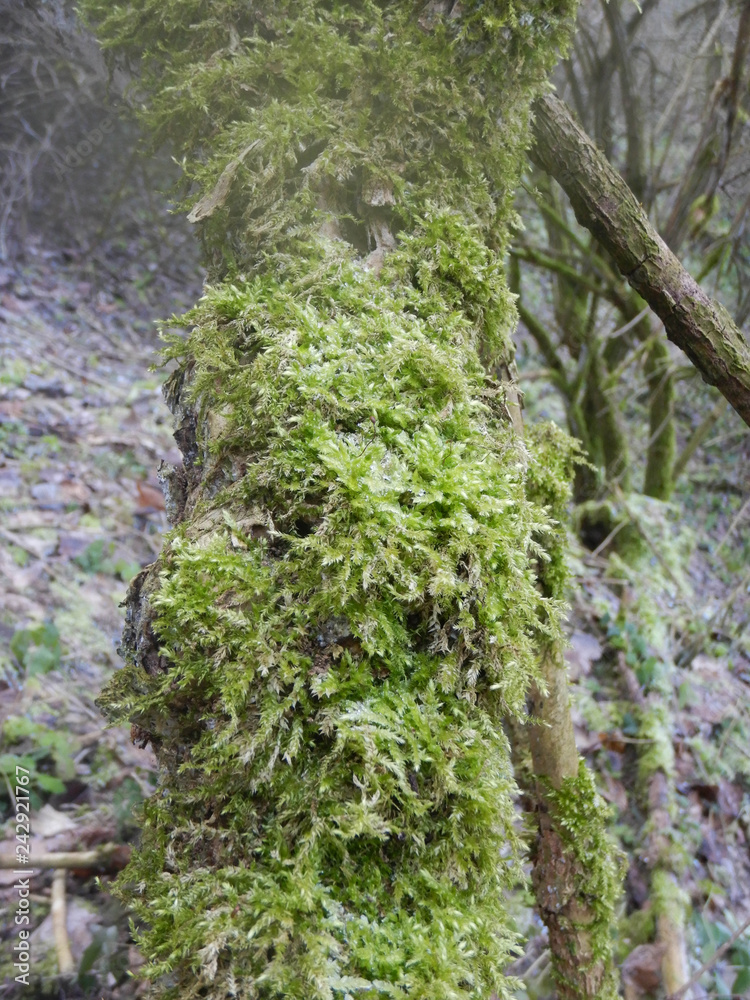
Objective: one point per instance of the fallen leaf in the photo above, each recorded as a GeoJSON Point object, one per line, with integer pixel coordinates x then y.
{"type": "Point", "coordinates": [77, 492]}
{"type": "Point", "coordinates": [71, 544]}
{"type": "Point", "coordinates": [583, 651]}
{"type": "Point", "coordinates": [712, 849]}
{"type": "Point", "coordinates": [49, 496]}
{"type": "Point", "coordinates": [50, 821]}
{"type": "Point", "coordinates": [613, 742]}
{"type": "Point", "coordinates": [149, 497]}
{"type": "Point", "coordinates": [53, 387]}
{"type": "Point", "coordinates": [614, 791]}
{"type": "Point", "coordinates": [78, 920]}
{"type": "Point", "coordinates": [729, 799]}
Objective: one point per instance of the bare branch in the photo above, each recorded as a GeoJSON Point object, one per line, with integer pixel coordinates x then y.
{"type": "Point", "coordinates": [604, 204]}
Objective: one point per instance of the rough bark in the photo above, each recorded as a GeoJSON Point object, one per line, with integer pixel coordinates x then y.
{"type": "Point", "coordinates": [561, 874]}
{"type": "Point", "coordinates": [606, 206]}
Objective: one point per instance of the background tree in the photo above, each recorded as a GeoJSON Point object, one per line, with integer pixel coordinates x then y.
{"type": "Point", "coordinates": [669, 116]}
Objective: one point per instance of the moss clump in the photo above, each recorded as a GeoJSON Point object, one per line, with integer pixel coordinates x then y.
{"type": "Point", "coordinates": [655, 729]}
{"type": "Point", "coordinates": [582, 817]}
{"type": "Point", "coordinates": [554, 457]}
{"type": "Point", "coordinates": [343, 622]}
{"type": "Point", "coordinates": [668, 899]}
{"type": "Point", "coordinates": [355, 114]}
{"type": "Point", "coordinates": [348, 605]}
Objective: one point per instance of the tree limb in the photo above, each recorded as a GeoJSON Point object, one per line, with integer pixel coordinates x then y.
{"type": "Point", "coordinates": [606, 206]}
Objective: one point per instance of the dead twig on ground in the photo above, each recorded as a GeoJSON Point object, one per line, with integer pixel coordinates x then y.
{"type": "Point", "coordinates": [65, 962]}
{"type": "Point", "coordinates": [108, 857]}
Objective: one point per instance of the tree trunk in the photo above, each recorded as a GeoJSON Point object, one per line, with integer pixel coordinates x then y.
{"type": "Point", "coordinates": [348, 607]}
{"type": "Point", "coordinates": [558, 875]}
{"type": "Point", "coordinates": [576, 873]}
{"type": "Point", "coordinates": [662, 445]}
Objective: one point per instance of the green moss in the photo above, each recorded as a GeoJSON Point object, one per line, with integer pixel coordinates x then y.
{"type": "Point", "coordinates": [655, 725]}
{"type": "Point", "coordinates": [313, 111]}
{"type": "Point", "coordinates": [638, 927]}
{"type": "Point", "coordinates": [341, 643]}
{"type": "Point", "coordinates": [662, 436]}
{"type": "Point", "coordinates": [582, 817]}
{"type": "Point", "coordinates": [348, 607]}
{"type": "Point", "coordinates": [553, 457]}
{"type": "Point", "coordinates": [668, 899]}
{"type": "Point", "coordinates": [598, 522]}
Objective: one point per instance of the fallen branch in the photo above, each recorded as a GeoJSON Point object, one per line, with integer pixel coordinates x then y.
{"type": "Point", "coordinates": [606, 206]}
{"type": "Point", "coordinates": [65, 961]}
{"type": "Point", "coordinates": [108, 857]}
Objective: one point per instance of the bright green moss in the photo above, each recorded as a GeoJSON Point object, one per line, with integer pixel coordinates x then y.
{"type": "Point", "coordinates": [333, 694]}
{"type": "Point", "coordinates": [349, 606]}
{"type": "Point", "coordinates": [553, 457]}
{"type": "Point", "coordinates": [353, 112]}
{"type": "Point", "coordinates": [582, 816]}
{"type": "Point", "coordinates": [655, 728]}
{"type": "Point", "coordinates": [668, 899]}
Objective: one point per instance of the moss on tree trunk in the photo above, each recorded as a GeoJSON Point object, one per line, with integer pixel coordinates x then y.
{"type": "Point", "coordinates": [348, 606]}
{"type": "Point", "coordinates": [662, 447]}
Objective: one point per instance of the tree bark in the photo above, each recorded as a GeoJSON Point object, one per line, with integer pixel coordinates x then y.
{"type": "Point", "coordinates": [606, 206]}
{"type": "Point", "coordinates": [566, 877]}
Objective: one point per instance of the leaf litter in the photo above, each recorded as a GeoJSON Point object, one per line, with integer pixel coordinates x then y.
{"type": "Point", "coordinates": [83, 427]}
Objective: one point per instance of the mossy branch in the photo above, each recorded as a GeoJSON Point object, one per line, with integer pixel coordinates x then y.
{"type": "Point", "coordinates": [604, 204]}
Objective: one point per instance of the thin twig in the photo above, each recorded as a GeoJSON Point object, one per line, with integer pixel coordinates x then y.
{"type": "Point", "coordinates": [64, 859]}
{"type": "Point", "coordinates": [59, 923]}
{"type": "Point", "coordinates": [11, 539]}
{"type": "Point", "coordinates": [615, 531]}
{"type": "Point", "coordinates": [733, 525]}
{"type": "Point", "coordinates": [710, 963]}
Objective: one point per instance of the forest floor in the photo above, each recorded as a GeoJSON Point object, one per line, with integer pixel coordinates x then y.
{"type": "Point", "coordinates": [83, 428]}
